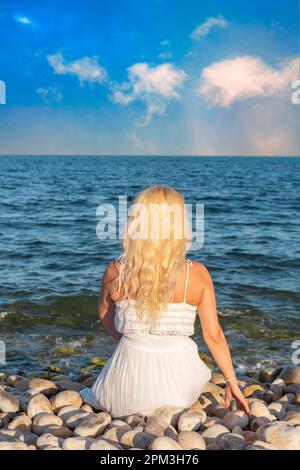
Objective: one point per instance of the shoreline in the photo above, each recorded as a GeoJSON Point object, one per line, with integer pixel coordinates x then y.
{"type": "Point", "coordinates": [43, 410]}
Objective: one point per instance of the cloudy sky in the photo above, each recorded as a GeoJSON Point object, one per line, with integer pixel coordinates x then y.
{"type": "Point", "coordinates": [153, 77]}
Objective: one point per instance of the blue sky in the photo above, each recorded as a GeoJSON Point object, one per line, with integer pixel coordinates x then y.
{"type": "Point", "coordinates": [149, 77]}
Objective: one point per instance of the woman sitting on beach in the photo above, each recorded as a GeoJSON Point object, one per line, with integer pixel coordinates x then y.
{"type": "Point", "coordinates": [149, 301]}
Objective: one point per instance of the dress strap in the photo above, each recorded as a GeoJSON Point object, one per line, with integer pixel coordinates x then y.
{"type": "Point", "coordinates": [189, 262]}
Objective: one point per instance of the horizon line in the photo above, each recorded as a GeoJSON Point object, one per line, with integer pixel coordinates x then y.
{"type": "Point", "coordinates": [141, 155]}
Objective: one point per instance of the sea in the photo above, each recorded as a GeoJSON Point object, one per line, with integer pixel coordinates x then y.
{"type": "Point", "coordinates": [52, 257]}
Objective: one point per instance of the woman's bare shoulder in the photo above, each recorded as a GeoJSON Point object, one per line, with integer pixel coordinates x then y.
{"type": "Point", "coordinates": [201, 272]}
{"type": "Point", "coordinates": [111, 271]}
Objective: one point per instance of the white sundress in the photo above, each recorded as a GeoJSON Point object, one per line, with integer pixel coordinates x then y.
{"type": "Point", "coordinates": [151, 366]}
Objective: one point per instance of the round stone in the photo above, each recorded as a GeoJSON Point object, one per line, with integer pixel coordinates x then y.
{"type": "Point", "coordinates": [65, 398]}
{"type": "Point", "coordinates": [282, 437]}
{"type": "Point", "coordinates": [189, 440]}
{"type": "Point", "coordinates": [232, 442]}
{"type": "Point", "coordinates": [165, 443]}
{"type": "Point", "coordinates": [46, 387]}
{"type": "Point", "coordinates": [102, 444]}
{"type": "Point", "coordinates": [259, 409]}
{"type": "Point", "coordinates": [213, 433]}
{"type": "Point", "coordinates": [191, 420]}
{"type": "Point", "coordinates": [49, 440]}
{"type": "Point", "coordinates": [43, 420]}
{"type": "Point", "coordinates": [136, 438]}
{"type": "Point", "coordinates": [21, 423]}
{"type": "Point", "coordinates": [8, 403]}
{"type": "Point", "coordinates": [77, 443]}
{"type": "Point", "coordinates": [93, 426]}
{"type": "Point", "coordinates": [291, 375]}
{"type": "Point", "coordinates": [38, 404]}
{"type": "Point", "coordinates": [236, 418]}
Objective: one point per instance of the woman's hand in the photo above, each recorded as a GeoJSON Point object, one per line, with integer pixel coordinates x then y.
{"type": "Point", "coordinates": [233, 392]}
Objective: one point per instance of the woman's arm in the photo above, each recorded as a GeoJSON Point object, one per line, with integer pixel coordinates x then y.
{"type": "Point", "coordinates": [215, 339]}
{"type": "Point", "coordinates": [106, 310]}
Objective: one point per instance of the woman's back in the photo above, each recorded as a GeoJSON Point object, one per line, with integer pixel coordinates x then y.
{"type": "Point", "coordinates": [178, 318]}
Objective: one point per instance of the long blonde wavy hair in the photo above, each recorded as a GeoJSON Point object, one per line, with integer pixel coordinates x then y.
{"type": "Point", "coordinates": [155, 243]}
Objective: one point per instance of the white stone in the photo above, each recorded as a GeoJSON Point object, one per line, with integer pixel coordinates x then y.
{"type": "Point", "coordinates": [191, 420]}
{"type": "Point", "coordinates": [93, 426]}
{"type": "Point", "coordinates": [8, 403]}
{"type": "Point", "coordinates": [38, 404]}
{"type": "Point", "coordinates": [189, 440]}
{"type": "Point", "coordinates": [164, 443]}
{"type": "Point", "coordinates": [67, 397]}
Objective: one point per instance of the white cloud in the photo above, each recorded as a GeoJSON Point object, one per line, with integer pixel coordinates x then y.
{"type": "Point", "coordinates": [154, 85]}
{"type": "Point", "coordinates": [86, 69]}
{"type": "Point", "coordinates": [50, 95]}
{"type": "Point", "coordinates": [23, 19]}
{"type": "Point", "coordinates": [203, 29]}
{"type": "Point", "coordinates": [225, 82]}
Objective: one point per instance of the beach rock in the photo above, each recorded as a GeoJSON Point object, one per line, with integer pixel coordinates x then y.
{"type": "Point", "coordinates": [206, 404]}
{"type": "Point", "coordinates": [137, 438]}
{"type": "Point", "coordinates": [283, 437]}
{"type": "Point", "coordinates": [293, 417]}
{"type": "Point", "coordinates": [48, 440]}
{"type": "Point", "coordinates": [119, 423]}
{"type": "Point", "coordinates": [257, 422]}
{"type": "Point", "coordinates": [291, 375]}
{"type": "Point", "coordinates": [23, 402]}
{"type": "Point", "coordinates": [278, 410]}
{"type": "Point", "coordinates": [156, 426]}
{"type": "Point", "coordinates": [232, 442]}
{"type": "Point", "coordinates": [93, 426]}
{"type": "Point", "coordinates": [59, 431]}
{"type": "Point", "coordinates": [277, 387]}
{"type": "Point", "coordinates": [115, 434]}
{"type": "Point", "coordinates": [236, 418]}
{"type": "Point", "coordinates": [261, 445]}
{"type": "Point", "coordinates": [211, 421]}
{"type": "Point", "coordinates": [170, 414]}
{"type": "Point", "coordinates": [259, 409]}
{"type": "Point", "coordinates": [89, 382]}
{"type": "Point", "coordinates": [8, 403]}
{"type": "Point", "coordinates": [249, 390]}
{"type": "Point", "coordinates": [17, 381]}
{"type": "Point", "coordinates": [74, 418]}
{"type": "Point", "coordinates": [102, 444]}
{"type": "Point", "coordinates": [10, 434]}
{"type": "Point", "coordinates": [268, 375]}
{"type": "Point", "coordinates": [46, 387]}
{"type": "Point", "coordinates": [77, 443]}
{"type": "Point", "coordinates": [219, 411]}
{"type": "Point", "coordinates": [135, 420]}
{"type": "Point", "coordinates": [39, 403]}
{"type": "Point", "coordinates": [268, 397]}
{"type": "Point", "coordinates": [213, 433]}
{"type": "Point", "coordinates": [217, 379]}
{"type": "Point", "coordinates": [214, 393]}
{"type": "Point", "coordinates": [29, 438]}
{"type": "Point", "coordinates": [213, 447]}
{"type": "Point", "coordinates": [21, 423]}
{"type": "Point", "coordinates": [191, 420]}
{"type": "Point", "coordinates": [189, 440]}
{"type": "Point", "coordinates": [87, 407]}
{"type": "Point", "coordinates": [6, 418]}
{"type": "Point", "coordinates": [69, 385]}
{"type": "Point", "coordinates": [165, 443]}
{"type": "Point", "coordinates": [13, 445]}
{"type": "Point", "coordinates": [65, 398]}
{"type": "Point", "coordinates": [43, 420]}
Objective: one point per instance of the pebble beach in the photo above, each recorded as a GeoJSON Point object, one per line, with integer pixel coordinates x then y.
{"type": "Point", "coordinates": [43, 410]}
